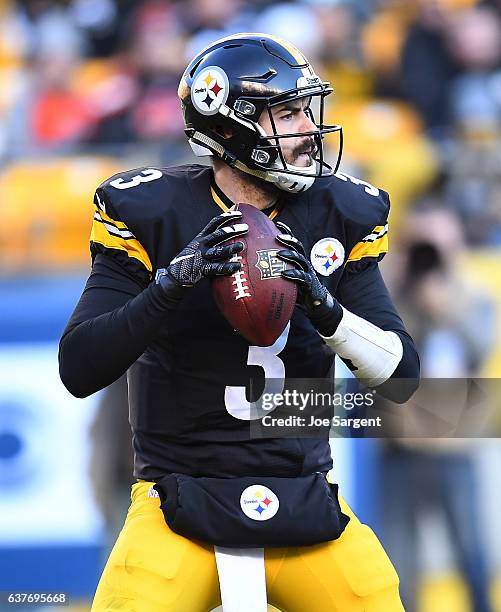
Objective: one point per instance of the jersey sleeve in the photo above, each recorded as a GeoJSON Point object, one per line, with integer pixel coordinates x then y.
{"type": "Point", "coordinates": [370, 243]}
{"type": "Point", "coordinates": [112, 236]}
{"type": "Point", "coordinates": [363, 292]}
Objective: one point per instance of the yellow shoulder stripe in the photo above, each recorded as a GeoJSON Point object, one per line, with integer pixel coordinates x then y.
{"type": "Point", "coordinates": [369, 249]}
{"type": "Point", "coordinates": [373, 245]}
{"type": "Point", "coordinates": [115, 235]}
{"type": "Point", "coordinates": [106, 217]}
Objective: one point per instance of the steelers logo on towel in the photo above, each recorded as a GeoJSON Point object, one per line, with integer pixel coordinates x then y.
{"type": "Point", "coordinates": [327, 255]}
{"type": "Point", "coordinates": [259, 503]}
{"type": "Point", "coordinates": [209, 90]}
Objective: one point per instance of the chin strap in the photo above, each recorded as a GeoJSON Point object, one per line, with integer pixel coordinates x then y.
{"type": "Point", "coordinates": [203, 145]}
{"type": "Point", "coordinates": [209, 145]}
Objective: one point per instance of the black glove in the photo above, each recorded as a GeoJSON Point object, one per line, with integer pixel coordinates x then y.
{"type": "Point", "coordinates": [204, 256]}
{"type": "Point", "coordinates": [323, 310]}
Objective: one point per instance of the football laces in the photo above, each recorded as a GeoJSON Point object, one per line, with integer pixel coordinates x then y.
{"type": "Point", "coordinates": [240, 287]}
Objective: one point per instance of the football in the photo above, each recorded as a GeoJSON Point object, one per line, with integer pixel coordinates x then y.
{"type": "Point", "coordinates": [257, 301]}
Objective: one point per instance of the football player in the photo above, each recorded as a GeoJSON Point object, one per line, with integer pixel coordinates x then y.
{"type": "Point", "coordinates": [158, 236]}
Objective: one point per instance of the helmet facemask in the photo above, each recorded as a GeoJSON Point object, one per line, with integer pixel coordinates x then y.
{"type": "Point", "coordinates": [269, 155]}
{"type": "Point", "coordinates": [261, 154]}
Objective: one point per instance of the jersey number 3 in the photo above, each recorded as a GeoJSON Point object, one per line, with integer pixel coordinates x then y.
{"type": "Point", "coordinates": [145, 176]}
{"type": "Point", "coordinates": [267, 358]}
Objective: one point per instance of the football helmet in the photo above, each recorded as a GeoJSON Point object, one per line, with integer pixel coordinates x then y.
{"type": "Point", "coordinates": [230, 83]}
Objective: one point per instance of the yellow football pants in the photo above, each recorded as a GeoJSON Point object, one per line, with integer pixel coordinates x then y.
{"type": "Point", "coordinates": [152, 569]}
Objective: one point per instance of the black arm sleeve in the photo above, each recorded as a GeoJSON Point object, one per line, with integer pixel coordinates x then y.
{"type": "Point", "coordinates": [362, 290]}
{"type": "Point", "coordinates": [113, 323]}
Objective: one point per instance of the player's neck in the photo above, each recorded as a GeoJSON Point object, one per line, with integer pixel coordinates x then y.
{"type": "Point", "coordinates": [242, 188]}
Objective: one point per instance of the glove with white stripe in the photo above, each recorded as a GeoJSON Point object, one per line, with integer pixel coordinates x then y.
{"type": "Point", "coordinates": [206, 255]}
{"type": "Point", "coordinates": [323, 310]}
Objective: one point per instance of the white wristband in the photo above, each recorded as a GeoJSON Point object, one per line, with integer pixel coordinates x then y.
{"type": "Point", "coordinates": [374, 352]}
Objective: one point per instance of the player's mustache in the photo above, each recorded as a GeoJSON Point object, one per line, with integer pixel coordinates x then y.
{"type": "Point", "coordinates": [307, 146]}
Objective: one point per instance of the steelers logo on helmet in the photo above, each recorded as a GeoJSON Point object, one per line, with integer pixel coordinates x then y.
{"type": "Point", "coordinates": [259, 503]}
{"type": "Point", "coordinates": [327, 255]}
{"type": "Point", "coordinates": [210, 90]}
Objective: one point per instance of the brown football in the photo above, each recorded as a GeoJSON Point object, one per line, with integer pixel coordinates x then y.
{"type": "Point", "coordinates": [257, 301]}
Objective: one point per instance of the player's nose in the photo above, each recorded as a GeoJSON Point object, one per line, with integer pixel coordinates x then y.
{"type": "Point", "coordinates": [307, 125]}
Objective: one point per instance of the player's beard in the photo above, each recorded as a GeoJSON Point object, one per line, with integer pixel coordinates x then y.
{"type": "Point", "coordinates": [253, 183]}
{"type": "Point", "coordinates": [293, 156]}
{"type": "Point", "coordinates": [250, 188]}
{"type": "Point", "coordinates": [250, 185]}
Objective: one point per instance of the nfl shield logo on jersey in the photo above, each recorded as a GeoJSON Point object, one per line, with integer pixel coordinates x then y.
{"type": "Point", "coordinates": [327, 255]}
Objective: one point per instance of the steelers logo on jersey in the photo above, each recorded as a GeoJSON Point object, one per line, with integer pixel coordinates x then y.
{"type": "Point", "coordinates": [259, 503]}
{"type": "Point", "coordinates": [209, 90]}
{"type": "Point", "coordinates": [327, 255]}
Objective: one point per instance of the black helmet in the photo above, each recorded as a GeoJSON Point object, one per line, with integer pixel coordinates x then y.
{"type": "Point", "coordinates": [230, 83]}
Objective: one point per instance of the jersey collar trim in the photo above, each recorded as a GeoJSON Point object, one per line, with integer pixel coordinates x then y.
{"type": "Point", "coordinates": [224, 202]}
{"type": "Point", "coordinates": [220, 198]}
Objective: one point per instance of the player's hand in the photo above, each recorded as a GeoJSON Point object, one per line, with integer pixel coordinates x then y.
{"type": "Point", "coordinates": [207, 255]}
{"type": "Point", "coordinates": [324, 311]}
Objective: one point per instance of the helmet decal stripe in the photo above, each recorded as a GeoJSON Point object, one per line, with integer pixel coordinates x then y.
{"type": "Point", "coordinates": [294, 51]}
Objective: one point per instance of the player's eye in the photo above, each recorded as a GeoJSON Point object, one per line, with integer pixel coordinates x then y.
{"type": "Point", "coordinates": [287, 116]}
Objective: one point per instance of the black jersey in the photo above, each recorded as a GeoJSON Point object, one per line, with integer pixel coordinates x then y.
{"type": "Point", "coordinates": [187, 391]}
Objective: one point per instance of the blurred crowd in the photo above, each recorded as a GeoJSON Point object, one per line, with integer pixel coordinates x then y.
{"type": "Point", "coordinates": [419, 80]}
{"type": "Point", "coordinates": [417, 87]}
{"type": "Point", "coordinates": [89, 87]}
